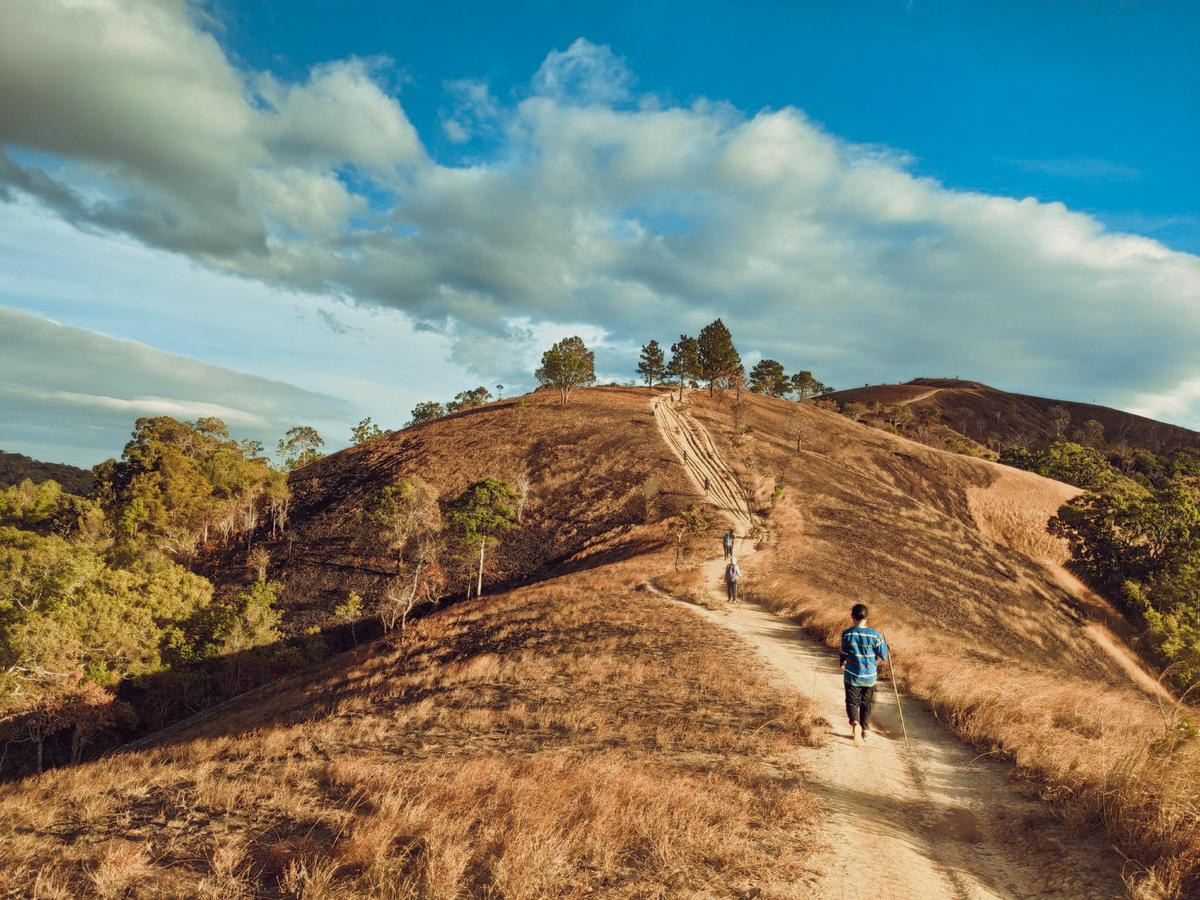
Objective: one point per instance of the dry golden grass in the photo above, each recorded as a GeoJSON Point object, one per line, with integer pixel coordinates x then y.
{"type": "Point", "coordinates": [576, 737]}
{"type": "Point", "coordinates": [597, 472]}
{"type": "Point", "coordinates": [950, 554]}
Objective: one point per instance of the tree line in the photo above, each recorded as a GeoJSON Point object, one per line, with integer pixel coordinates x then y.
{"type": "Point", "coordinates": [1135, 537]}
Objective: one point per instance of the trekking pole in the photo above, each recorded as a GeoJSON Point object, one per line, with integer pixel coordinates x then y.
{"type": "Point", "coordinates": [896, 691]}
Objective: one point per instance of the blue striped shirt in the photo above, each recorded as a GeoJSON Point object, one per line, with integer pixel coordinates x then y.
{"type": "Point", "coordinates": [860, 648]}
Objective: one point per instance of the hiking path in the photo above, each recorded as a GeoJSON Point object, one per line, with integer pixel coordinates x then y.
{"type": "Point", "coordinates": [928, 819]}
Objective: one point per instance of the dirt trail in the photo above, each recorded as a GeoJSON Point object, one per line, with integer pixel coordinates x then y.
{"type": "Point", "coordinates": [932, 820]}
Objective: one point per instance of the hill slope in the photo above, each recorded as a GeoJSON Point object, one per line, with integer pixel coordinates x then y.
{"type": "Point", "coordinates": [994, 418]}
{"type": "Point", "coordinates": [593, 473]}
{"type": "Point", "coordinates": [509, 744]}
{"type": "Point", "coordinates": [15, 467]}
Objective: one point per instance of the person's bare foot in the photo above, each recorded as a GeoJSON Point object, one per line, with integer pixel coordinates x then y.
{"type": "Point", "coordinates": [858, 738]}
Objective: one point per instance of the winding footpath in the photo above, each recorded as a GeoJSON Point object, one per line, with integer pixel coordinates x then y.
{"type": "Point", "coordinates": [930, 819]}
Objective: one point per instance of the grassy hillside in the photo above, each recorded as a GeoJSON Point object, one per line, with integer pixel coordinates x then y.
{"type": "Point", "coordinates": [594, 473]}
{"type": "Point", "coordinates": [952, 555]}
{"type": "Point", "coordinates": [14, 468]}
{"type": "Point", "coordinates": [578, 736]}
{"type": "Point", "coordinates": [578, 728]}
{"type": "Point", "coordinates": [988, 417]}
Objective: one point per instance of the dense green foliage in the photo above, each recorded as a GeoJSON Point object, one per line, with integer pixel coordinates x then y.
{"type": "Point", "coordinates": [96, 592]}
{"type": "Point", "coordinates": [767, 377]}
{"type": "Point", "coordinates": [567, 365]}
{"type": "Point", "coordinates": [719, 358]}
{"type": "Point", "coordinates": [179, 484]}
{"type": "Point", "coordinates": [300, 446]}
{"type": "Point", "coordinates": [1135, 536]}
{"type": "Point", "coordinates": [652, 364]}
{"type": "Point", "coordinates": [366, 430]}
{"type": "Point", "coordinates": [685, 361]}
{"type": "Point", "coordinates": [426, 411]}
{"type": "Point", "coordinates": [469, 399]}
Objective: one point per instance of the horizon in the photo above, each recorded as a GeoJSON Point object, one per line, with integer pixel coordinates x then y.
{"type": "Point", "coordinates": [279, 217]}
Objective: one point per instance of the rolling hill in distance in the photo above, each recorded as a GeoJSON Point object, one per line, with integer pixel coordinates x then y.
{"type": "Point", "coordinates": [993, 418]}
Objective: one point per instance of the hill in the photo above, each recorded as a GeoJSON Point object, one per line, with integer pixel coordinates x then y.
{"type": "Point", "coordinates": [15, 467]}
{"type": "Point", "coordinates": [987, 417]}
{"type": "Point", "coordinates": [573, 730]}
{"type": "Point", "coordinates": [593, 480]}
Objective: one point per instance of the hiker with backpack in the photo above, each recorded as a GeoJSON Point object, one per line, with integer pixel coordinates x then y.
{"type": "Point", "coordinates": [727, 543]}
{"type": "Point", "coordinates": [733, 575]}
{"type": "Point", "coordinates": [862, 648]}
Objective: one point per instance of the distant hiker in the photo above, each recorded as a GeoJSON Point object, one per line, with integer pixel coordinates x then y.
{"type": "Point", "coordinates": [861, 647]}
{"type": "Point", "coordinates": [685, 457]}
{"type": "Point", "coordinates": [727, 541]}
{"type": "Point", "coordinates": [733, 575]}
{"type": "Point", "coordinates": [706, 484]}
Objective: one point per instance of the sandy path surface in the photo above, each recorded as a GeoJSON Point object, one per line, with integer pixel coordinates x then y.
{"type": "Point", "coordinates": [930, 819]}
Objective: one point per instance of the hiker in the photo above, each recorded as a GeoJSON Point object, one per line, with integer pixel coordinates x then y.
{"type": "Point", "coordinates": [733, 575]}
{"type": "Point", "coordinates": [685, 457]}
{"type": "Point", "coordinates": [727, 542]}
{"type": "Point", "coordinates": [861, 647]}
{"type": "Point", "coordinates": [706, 484]}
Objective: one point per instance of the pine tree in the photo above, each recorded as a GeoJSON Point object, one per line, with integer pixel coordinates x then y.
{"type": "Point", "coordinates": [718, 357]}
{"type": "Point", "coordinates": [767, 377]}
{"type": "Point", "coordinates": [685, 361]}
{"type": "Point", "coordinates": [805, 386]}
{"type": "Point", "coordinates": [652, 366]}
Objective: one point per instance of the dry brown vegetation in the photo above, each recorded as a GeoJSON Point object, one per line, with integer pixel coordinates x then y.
{"type": "Point", "coordinates": [596, 471]}
{"type": "Point", "coordinates": [987, 416]}
{"type": "Point", "coordinates": [572, 737]}
{"type": "Point", "coordinates": [952, 556]}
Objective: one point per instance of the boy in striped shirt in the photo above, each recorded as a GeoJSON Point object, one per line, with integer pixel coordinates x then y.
{"type": "Point", "coordinates": [861, 647]}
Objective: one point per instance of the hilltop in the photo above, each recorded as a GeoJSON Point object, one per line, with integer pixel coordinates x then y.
{"type": "Point", "coordinates": [508, 743]}
{"type": "Point", "coordinates": [15, 467]}
{"type": "Point", "coordinates": [984, 416]}
{"type": "Point", "coordinates": [594, 480]}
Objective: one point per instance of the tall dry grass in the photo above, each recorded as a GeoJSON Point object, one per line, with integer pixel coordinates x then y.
{"type": "Point", "coordinates": [574, 738]}
{"type": "Point", "coordinates": [952, 556]}
{"type": "Point", "coordinates": [1102, 756]}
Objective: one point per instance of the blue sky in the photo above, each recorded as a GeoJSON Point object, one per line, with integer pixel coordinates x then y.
{"type": "Point", "coordinates": [308, 212]}
{"type": "Point", "coordinates": [1094, 104]}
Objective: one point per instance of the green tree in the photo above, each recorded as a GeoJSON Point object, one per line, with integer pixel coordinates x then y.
{"type": "Point", "coordinates": [804, 385]}
{"type": "Point", "coordinates": [567, 365]}
{"type": "Point", "coordinates": [767, 377]}
{"type": "Point", "coordinates": [652, 365]}
{"type": "Point", "coordinates": [468, 399]}
{"type": "Point", "coordinates": [927, 416]}
{"type": "Point", "coordinates": [687, 524]}
{"type": "Point", "coordinates": [685, 361]}
{"type": "Point", "coordinates": [426, 411]}
{"type": "Point", "coordinates": [403, 512]}
{"type": "Point", "coordinates": [480, 513]}
{"type": "Point", "coordinates": [300, 446]}
{"type": "Point", "coordinates": [1090, 434]}
{"type": "Point", "coordinates": [718, 356]}
{"type": "Point", "coordinates": [350, 611]}
{"type": "Point", "coordinates": [364, 431]}
{"type": "Point", "coordinates": [176, 481]}
{"type": "Point", "coordinates": [1059, 418]}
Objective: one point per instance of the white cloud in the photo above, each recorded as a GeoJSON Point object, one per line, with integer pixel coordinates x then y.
{"type": "Point", "coordinates": [583, 73]}
{"type": "Point", "coordinates": [596, 205]}
{"type": "Point", "coordinates": [80, 391]}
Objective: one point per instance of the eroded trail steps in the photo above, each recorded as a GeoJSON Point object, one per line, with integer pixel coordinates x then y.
{"type": "Point", "coordinates": [933, 819]}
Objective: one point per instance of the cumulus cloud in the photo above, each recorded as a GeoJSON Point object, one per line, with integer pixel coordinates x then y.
{"type": "Point", "coordinates": [71, 394]}
{"type": "Point", "coordinates": [597, 205]}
